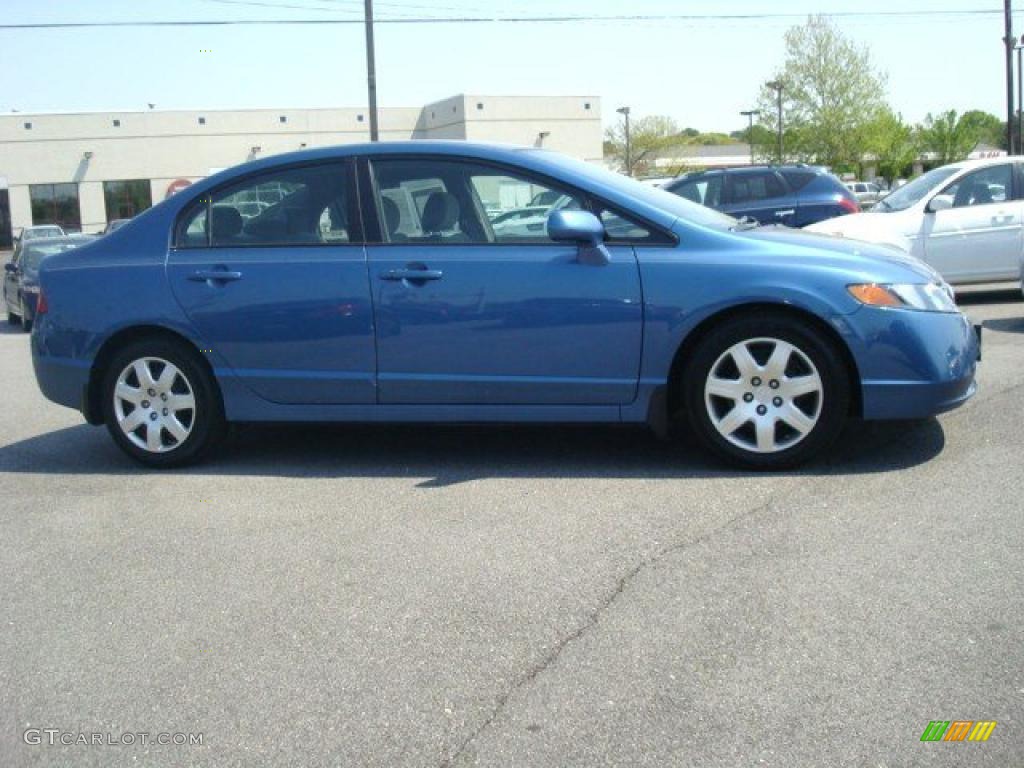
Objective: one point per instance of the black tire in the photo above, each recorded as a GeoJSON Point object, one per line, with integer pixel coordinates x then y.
{"type": "Point", "coordinates": [832, 409]}
{"type": "Point", "coordinates": [12, 319]}
{"type": "Point", "coordinates": [26, 323]}
{"type": "Point", "coordinates": [207, 424]}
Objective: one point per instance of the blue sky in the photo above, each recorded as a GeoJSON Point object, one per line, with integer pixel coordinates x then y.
{"type": "Point", "coordinates": [702, 73]}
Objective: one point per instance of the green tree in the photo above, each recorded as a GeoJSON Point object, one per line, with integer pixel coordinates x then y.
{"type": "Point", "coordinates": [989, 128]}
{"type": "Point", "coordinates": [892, 143]}
{"type": "Point", "coordinates": [649, 137]}
{"type": "Point", "coordinates": [830, 93]}
{"type": "Point", "coordinates": [949, 136]}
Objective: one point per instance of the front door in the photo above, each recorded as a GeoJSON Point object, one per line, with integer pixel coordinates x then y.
{"type": "Point", "coordinates": [979, 237]}
{"type": "Point", "coordinates": [273, 277]}
{"type": "Point", "coordinates": [470, 312]}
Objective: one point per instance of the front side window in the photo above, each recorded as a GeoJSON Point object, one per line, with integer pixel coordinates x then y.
{"type": "Point", "coordinates": [125, 199]}
{"type": "Point", "coordinates": [706, 190]}
{"type": "Point", "coordinates": [989, 185]}
{"type": "Point", "coordinates": [294, 206]}
{"type": "Point", "coordinates": [56, 204]}
{"type": "Point", "coordinates": [444, 201]}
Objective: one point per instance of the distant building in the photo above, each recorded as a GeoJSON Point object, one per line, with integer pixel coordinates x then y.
{"type": "Point", "coordinates": [82, 170]}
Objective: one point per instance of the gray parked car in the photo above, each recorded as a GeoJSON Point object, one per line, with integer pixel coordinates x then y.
{"type": "Point", "coordinates": [867, 193]}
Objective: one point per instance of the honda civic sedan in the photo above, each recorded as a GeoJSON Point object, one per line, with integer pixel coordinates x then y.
{"type": "Point", "coordinates": [377, 289]}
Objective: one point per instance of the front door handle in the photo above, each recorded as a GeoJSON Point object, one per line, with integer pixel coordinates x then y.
{"type": "Point", "coordinates": [412, 275]}
{"type": "Point", "coordinates": [214, 275]}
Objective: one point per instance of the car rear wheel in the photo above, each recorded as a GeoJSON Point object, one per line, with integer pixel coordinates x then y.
{"type": "Point", "coordinates": [766, 393]}
{"type": "Point", "coordinates": [161, 404]}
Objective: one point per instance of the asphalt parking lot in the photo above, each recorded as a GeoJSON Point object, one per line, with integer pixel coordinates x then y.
{"type": "Point", "coordinates": [517, 597]}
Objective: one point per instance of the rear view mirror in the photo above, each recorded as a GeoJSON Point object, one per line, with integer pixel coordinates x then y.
{"type": "Point", "coordinates": [583, 228]}
{"type": "Point", "coordinates": [940, 203]}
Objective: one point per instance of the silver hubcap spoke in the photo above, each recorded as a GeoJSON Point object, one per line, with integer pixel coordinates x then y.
{"type": "Point", "coordinates": [154, 404]}
{"type": "Point", "coordinates": [764, 395]}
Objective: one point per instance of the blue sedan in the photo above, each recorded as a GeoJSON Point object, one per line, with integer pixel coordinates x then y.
{"type": "Point", "coordinates": [368, 283]}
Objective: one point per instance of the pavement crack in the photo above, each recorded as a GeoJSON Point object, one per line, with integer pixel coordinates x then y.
{"type": "Point", "coordinates": [591, 621]}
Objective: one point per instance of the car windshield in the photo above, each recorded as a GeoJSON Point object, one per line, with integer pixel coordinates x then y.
{"type": "Point", "coordinates": [653, 196]}
{"type": "Point", "coordinates": [907, 195]}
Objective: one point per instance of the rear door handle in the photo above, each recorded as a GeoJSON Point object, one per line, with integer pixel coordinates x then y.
{"type": "Point", "coordinates": [216, 275]}
{"type": "Point", "coordinates": [784, 214]}
{"type": "Point", "coordinates": [413, 275]}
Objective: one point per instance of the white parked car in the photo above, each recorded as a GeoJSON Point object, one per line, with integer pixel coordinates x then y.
{"type": "Point", "coordinates": [867, 193]}
{"type": "Point", "coordinates": [964, 219]}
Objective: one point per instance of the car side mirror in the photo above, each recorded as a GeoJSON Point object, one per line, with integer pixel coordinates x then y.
{"type": "Point", "coordinates": [939, 203]}
{"type": "Point", "coordinates": [584, 229]}
{"type": "Point", "coordinates": [10, 266]}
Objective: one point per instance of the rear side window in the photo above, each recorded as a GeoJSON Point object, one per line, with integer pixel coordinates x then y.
{"type": "Point", "coordinates": [754, 187]}
{"type": "Point", "coordinates": [798, 178]}
{"type": "Point", "coordinates": [310, 205]}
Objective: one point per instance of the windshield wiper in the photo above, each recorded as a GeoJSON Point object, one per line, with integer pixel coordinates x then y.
{"type": "Point", "coordinates": [745, 223]}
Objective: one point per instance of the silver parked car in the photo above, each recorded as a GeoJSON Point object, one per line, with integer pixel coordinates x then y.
{"type": "Point", "coordinates": [867, 193]}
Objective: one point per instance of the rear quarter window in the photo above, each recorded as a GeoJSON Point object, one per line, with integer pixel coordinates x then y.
{"type": "Point", "coordinates": [798, 178]}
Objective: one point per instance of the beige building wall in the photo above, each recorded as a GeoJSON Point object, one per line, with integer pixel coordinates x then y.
{"type": "Point", "coordinates": [162, 146]}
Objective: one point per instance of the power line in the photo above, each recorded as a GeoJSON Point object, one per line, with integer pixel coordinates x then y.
{"type": "Point", "coordinates": [504, 19]}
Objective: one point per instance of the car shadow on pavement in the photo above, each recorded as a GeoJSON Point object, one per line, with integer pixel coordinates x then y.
{"type": "Point", "coordinates": [448, 455]}
{"type": "Point", "coordinates": [7, 329]}
{"type": "Point", "coordinates": [968, 296]}
{"type": "Point", "coordinates": [1005, 324]}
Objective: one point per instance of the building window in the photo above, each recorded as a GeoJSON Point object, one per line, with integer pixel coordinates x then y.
{"type": "Point", "coordinates": [202, 121]}
{"type": "Point", "coordinates": [283, 119]}
{"type": "Point", "coordinates": [586, 105]}
{"type": "Point", "coordinates": [125, 199]}
{"type": "Point", "coordinates": [117, 123]}
{"type": "Point", "coordinates": [28, 126]}
{"type": "Point", "coordinates": [56, 204]}
{"type": "Point", "coordinates": [359, 118]}
{"type": "Point", "coordinates": [479, 105]}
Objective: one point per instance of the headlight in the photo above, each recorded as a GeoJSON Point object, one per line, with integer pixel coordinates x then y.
{"type": "Point", "coordinates": [926, 297]}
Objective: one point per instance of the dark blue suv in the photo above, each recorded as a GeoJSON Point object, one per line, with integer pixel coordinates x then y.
{"type": "Point", "coordinates": [794, 195]}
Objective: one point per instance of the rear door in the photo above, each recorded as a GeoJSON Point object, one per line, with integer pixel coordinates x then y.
{"type": "Point", "coordinates": [760, 194]}
{"type": "Point", "coordinates": [278, 290]}
{"type": "Point", "coordinates": [979, 238]}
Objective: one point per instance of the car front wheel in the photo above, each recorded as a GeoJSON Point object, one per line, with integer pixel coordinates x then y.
{"type": "Point", "coordinates": [766, 393]}
{"type": "Point", "coordinates": [161, 404]}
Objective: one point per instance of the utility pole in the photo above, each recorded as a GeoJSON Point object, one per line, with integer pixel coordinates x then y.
{"type": "Point", "coordinates": [750, 114]}
{"type": "Point", "coordinates": [1020, 98]}
{"type": "Point", "coordinates": [777, 86]}
{"type": "Point", "coordinates": [372, 71]}
{"type": "Point", "coordinates": [1008, 41]}
{"type": "Point", "coordinates": [624, 111]}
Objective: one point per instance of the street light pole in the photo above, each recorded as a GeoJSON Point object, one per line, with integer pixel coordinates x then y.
{"type": "Point", "coordinates": [624, 111]}
{"type": "Point", "coordinates": [750, 114]}
{"type": "Point", "coordinates": [371, 71]}
{"type": "Point", "coordinates": [1008, 41]}
{"type": "Point", "coordinates": [777, 86]}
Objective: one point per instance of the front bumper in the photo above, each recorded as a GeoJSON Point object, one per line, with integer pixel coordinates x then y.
{"type": "Point", "coordinates": [913, 364]}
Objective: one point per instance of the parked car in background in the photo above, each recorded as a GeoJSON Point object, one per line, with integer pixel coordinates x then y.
{"type": "Point", "coordinates": [794, 195]}
{"type": "Point", "coordinates": [38, 232]}
{"type": "Point", "coordinates": [631, 305]}
{"type": "Point", "coordinates": [113, 226]}
{"type": "Point", "coordinates": [21, 275]}
{"type": "Point", "coordinates": [964, 219]}
{"type": "Point", "coordinates": [867, 193]}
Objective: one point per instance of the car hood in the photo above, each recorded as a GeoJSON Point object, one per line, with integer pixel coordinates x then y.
{"type": "Point", "coordinates": [843, 251]}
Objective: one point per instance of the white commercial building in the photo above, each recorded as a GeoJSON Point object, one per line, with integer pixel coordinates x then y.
{"type": "Point", "coordinates": [82, 170]}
